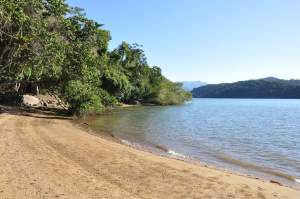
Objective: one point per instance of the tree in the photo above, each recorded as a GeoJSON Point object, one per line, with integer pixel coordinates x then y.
{"type": "Point", "coordinates": [48, 44]}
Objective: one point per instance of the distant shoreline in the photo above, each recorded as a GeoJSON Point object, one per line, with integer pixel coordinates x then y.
{"type": "Point", "coordinates": [265, 88]}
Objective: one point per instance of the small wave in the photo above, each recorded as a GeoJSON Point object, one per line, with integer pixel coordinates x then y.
{"type": "Point", "coordinates": [173, 153]}
{"type": "Point", "coordinates": [297, 180]}
{"type": "Point", "coordinates": [126, 142]}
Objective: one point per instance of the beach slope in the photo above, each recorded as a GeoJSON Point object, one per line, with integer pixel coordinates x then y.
{"type": "Point", "coordinates": [44, 157]}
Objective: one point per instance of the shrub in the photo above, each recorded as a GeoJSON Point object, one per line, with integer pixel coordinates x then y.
{"type": "Point", "coordinates": [82, 98]}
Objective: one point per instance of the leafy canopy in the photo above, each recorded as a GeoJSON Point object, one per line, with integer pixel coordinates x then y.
{"type": "Point", "coordinates": [56, 47]}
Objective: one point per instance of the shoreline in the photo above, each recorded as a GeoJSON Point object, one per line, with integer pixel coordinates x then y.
{"type": "Point", "coordinates": [50, 157]}
{"type": "Point", "coordinates": [170, 153]}
{"type": "Point", "coordinates": [231, 166]}
{"type": "Point", "coordinates": [293, 182]}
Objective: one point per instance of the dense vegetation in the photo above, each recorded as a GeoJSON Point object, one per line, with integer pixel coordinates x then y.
{"type": "Point", "coordinates": [54, 47]}
{"type": "Point", "coordinates": [261, 88]}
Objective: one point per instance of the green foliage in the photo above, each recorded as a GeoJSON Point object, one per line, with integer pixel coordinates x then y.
{"type": "Point", "coordinates": [170, 93]}
{"type": "Point", "coordinates": [28, 50]}
{"type": "Point", "coordinates": [82, 97]}
{"type": "Point", "coordinates": [55, 46]}
{"type": "Point", "coordinates": [116, 83]}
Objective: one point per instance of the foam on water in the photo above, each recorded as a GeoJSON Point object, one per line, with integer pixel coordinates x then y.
{"type": "Point", "coordinates": [297, 180]}
{"type": "Point", "coordinates": [173, 153]}
{"type": "Point", "coordinates": [126, 142]}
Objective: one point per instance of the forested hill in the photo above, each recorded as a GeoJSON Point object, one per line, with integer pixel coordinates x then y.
{"type": "Point", "coordinates": [261, 88]}
{"type": "Point", "coordinates": [51, 46]}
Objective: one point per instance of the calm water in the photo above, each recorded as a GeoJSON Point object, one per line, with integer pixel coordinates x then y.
{"type": "Point", "coordinates": [259, 137]}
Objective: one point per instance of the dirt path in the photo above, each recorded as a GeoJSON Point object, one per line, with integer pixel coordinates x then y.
{"type": "Point", "coordinates": [50, 158]}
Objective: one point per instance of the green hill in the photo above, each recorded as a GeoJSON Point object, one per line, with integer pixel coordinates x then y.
{"type": "Point", "coordinates": [261, 88]}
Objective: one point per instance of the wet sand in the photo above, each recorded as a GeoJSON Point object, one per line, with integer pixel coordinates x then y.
{"type": "Point", "coordinates": [44, 157]}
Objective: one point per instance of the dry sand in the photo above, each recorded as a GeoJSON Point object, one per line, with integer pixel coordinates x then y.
{"type": "Point", "coordinates": [44, 157]}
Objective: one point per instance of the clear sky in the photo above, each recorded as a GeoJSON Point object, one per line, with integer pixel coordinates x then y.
{"type": "Point", "coordinates": [208, 40]}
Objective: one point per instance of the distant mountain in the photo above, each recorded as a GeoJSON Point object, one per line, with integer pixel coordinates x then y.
{"type": "Point", "coordinates": [269, 87]}
{"type": "Point", "coordinates": [190, 85]}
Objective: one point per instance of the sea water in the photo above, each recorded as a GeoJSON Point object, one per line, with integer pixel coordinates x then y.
{"type": "Point", "coordinates": [259, 137]}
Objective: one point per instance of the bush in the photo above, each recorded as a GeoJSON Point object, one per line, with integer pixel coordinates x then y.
{"type": "Point", "coordinates": [169, 93]}
{"type": "Point", "coordinates": [107, 99]}
{"type": "Point", "coordinates": [82, 98]}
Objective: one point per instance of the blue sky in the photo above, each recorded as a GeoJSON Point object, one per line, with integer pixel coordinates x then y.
{"type": "Point", "coordinates": [213, 40]}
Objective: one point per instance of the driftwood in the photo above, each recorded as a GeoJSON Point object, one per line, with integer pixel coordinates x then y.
{"type": "Point", "coordinates": [275, 182]}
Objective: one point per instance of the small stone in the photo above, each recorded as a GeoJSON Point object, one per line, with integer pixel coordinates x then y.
{"type": "Point", "coordinates": [30, 100]}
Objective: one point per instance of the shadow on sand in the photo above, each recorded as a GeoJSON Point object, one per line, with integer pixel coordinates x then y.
{"type": "Point", "coordinates": [44, 113]}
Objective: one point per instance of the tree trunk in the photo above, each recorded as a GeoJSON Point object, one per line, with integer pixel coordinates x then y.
{"type": "Point", "coordinates": [37, 90]}
{"type": "Point", "coordinates": [17, 86]}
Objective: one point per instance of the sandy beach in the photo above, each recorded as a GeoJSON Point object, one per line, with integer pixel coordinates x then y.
{"type": "Point", "coordinates": [47, 157]}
